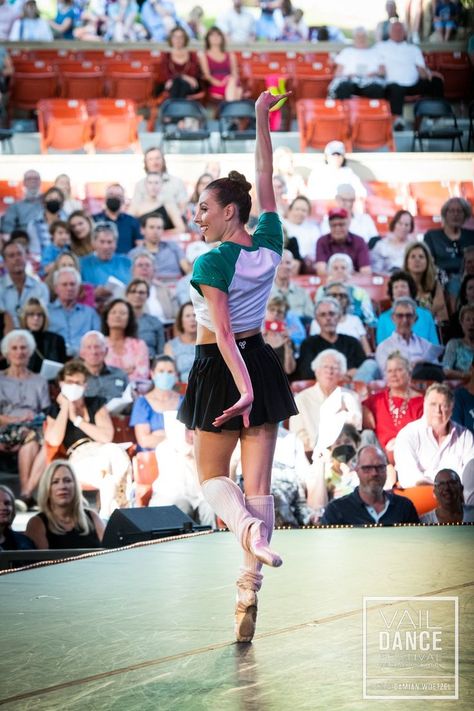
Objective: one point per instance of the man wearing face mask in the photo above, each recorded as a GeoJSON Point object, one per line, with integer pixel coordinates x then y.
{"type": "Point", "coordinates": [22, 212]}
{"type": "Point", "coordinates": [38, 227]}
{"type": "Point", "coordinates": [128, 227]}
{"type": "Point", "coordinates": [83, 427]}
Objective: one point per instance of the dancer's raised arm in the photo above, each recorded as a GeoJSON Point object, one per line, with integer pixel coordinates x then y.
{"type": "Point", "coordinates": [264, 151]}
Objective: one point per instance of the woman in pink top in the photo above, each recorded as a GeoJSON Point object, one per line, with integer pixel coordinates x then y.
{"type": "Point", "coordinates": [219, 67]}
{"type": "Point", "coordinates": [125, 351]}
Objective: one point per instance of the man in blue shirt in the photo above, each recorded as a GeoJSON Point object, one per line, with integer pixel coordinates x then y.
{"type": "Point", "coordinates": [66, 316]}
{"type": "Point", "coordinates": [128, 227]}
{"type": "Point", "coordinates": [103, 263]}
{"type": "Point", "coordinates": [369, 503]}
{"type": "Point", "coordinates": [170, 261]}
{"type": "Point", "coordinates": [16, 287]}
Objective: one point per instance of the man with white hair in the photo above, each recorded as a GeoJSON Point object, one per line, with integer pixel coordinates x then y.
{"type": "Point", "coordinates": [97, 268]}
{"type": "Point", "coordinates": [298, 298]}
{"type": "Point", "coordinates": [359, 70]}
{"type": "Point", "coordinates": [66, 316]}
{"type": "Point", "coordinates": [23, 211]}
{"type": "Point", "coordinates": [105, 380]}
{"type": "Point", "coordinates": [329, 368]}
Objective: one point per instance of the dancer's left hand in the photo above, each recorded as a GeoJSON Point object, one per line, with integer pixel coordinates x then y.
{"type": "Point", "coordinates": [241, 408]}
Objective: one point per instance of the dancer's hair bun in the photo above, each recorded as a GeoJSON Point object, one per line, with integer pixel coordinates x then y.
{"type": "Point", "coordinates": [241, 180]}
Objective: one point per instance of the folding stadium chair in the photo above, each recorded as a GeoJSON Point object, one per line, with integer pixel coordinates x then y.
{"type": "Point", "coordinates": [115, 125]}
{"type": "Point", "coordinates": [321, 121]}
{"type": "Point", "coordinates": [31, 82]}
{"type": "Point", "coordinates": [435, 110]}
{"type": "Point", "coordinates": [237, 121]}
{"type": "Point", "coordinates": [371, 124]}
{"type": "Point", "coordinates": [64, 125]}
{"type": "Point", "coordinates": [81, 80]}
{"type": "Point", "coordinates": [183, 120]}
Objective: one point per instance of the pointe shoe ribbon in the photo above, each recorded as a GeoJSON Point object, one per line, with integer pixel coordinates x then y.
{"type": "Point", "coordinates": [258, 545]}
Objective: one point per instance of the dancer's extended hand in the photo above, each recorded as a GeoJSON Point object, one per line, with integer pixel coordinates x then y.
{"type": "Point", "coordinates": [267, 100]}
{"type": "Point", "coordinates": [242, 407]}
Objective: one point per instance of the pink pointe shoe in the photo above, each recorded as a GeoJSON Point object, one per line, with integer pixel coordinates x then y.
{"type": "Point", "coordinates": [245, 615]}
{"type": "Point", "coordinates": [258, 545]}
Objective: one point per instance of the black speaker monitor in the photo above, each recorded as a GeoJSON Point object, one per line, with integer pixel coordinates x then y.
{"type": "Point", "coordinates": [128, 526]}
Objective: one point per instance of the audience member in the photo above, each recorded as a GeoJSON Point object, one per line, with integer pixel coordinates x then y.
{"type": "Point", "coordinates": [383, 27]}
{"type": "Point", "coordinates": [402, 284]}
{"type": "Point", "coordinates": [63, 521]}
{"type": "Point", "coordinates": [128, 227]}
{"type": "Point", "coordinates": [124, 349]}
{"type": "Point", "coordinates": [359, 70]}
{"type": "Point", "coordinates": [67, 316]}
{"type": "Point", "coordinates": [298, 224]}
{"type": "Point", "coordinates": [63, 23]}
{"type": "Point", "coordinates": [162, 303]}
{"type": "Point", "coordinates": [16, 286]}
{"type": "Point", "coordinates": [174, 189]}
{"type": "Point", "coordinates": [369, 503]}
{"type": "Point", "coordinates": [193, 251]}
{"type": "Point", "coordinates": [361, 222]}
{"type": "Point", "coordinates": [159, 18]}
{"type": "Point", "coordinates": [448, 491]}
{"type": "Point", "coordinates": [60, 243]}
{"type": "Point", "coordinates": [329, 369]}
{"type": "Point", "coordinates": [270, 22]}
{"type": "Point", "coordinates": [8, 15]}
{"type": "Point", "coordinates": [180, 71]}
{"type": "Point", "coordinates": [38, 227]}
{"type": "Point", "coordinates": [86, 291]}
{"type": "Point", "coordinates": [276, 333]}
{"type": "Point", "coordinates": [153, 205]}
{"type": "Point", "coordinates": [150, 329]}
{"type": "Point", "coordinates": [459, 353]}
{"type": "Point", "coordinates": [446, 18]}
{"type": "Point", "coordinates": [414, 348]}
{"type": "Point", "coordinates": [465, 297]}
{"type": "Point", "coordinates": [390, 409]}
{"type": "Point", "coordinates": [10, 540]}
{"type": "Point", "coordinates": [349, 324]}
{"type": "Point", "coordinates": [169, 259]}
{"type": "Point", "coordinates": [340, 240]}
{"type": "Point", "coordinates": [219, 67]}
{"type": "Point", "coordinates": [31, 27]}
{"type": "Point", "coordinates": [281, 191]}
{"type": "Point", "coordinates": [98, 268]}
{"type": "Point", "coordinates": [406, 72]}
{"type": "Point", "coordinates": [237, 24]}
{"type": "Point", "coordinates": [463, 412]}
{"type": "Point", "coordinates": [284, 167]}
{"type": "Point", "coordinates": [332, 469]}
{"type": "Point", "coordinates": [419, 264]}
{"type": "Point", "coordinates": [201, 184]}
{"type": "Point", "coordinates": [388, 253]}
{"type": "Point", "coordinates": [433, 442]}
{"type": "Point", "coordinates": [20, 213]}
{"type": "Point", "coordinates": [6, 65]}
{"type": "Point", "coordinates": [294, 27]}
{"type": "Point", "coordinates": [81, 226]}
{"type": "Point", "coordinates": [195, 23]}
{"type": "Point", "coordinates": [70, 204]}
{"type": "Point", "coordinates": [121, 23]}
{"type": "Point", "coordinates": [298, 298]}
{"type": "Point", "coordinates": [82, 426]}
{"type": "Point", "coordinates": [181, 347]}
{"type": "Point", "coordinates": [104, 380]}
{"type": "Point", "coordinates": [323, 180]}
{"type": "Point", "coordinates": [24, 397]}
{"type": "Point", "coordinates": [49, 345]}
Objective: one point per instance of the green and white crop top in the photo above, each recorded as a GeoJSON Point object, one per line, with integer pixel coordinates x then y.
{"type": "Point", "coordinates": [245, 273]}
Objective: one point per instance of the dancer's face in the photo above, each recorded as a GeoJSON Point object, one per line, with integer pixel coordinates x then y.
{"type": "Point", "coordinates": [211, 217]}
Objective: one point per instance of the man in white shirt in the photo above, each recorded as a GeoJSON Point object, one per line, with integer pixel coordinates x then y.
{"type": "Point", "coordinates": [434, 442]}
{"type": "Point", "coordinates": [359, 70]}
{"type": "Point", "coordinates": [406, 71]}
{"type": "Point", "coordinates": [361, 223]}
{"type": "Point", "coordinates": [238, 24]}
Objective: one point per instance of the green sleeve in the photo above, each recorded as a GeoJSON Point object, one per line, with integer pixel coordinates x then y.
{"type": "Point", "coordinates": [213, 270]}
{"type": "Point", "coordinates": [268, 232]}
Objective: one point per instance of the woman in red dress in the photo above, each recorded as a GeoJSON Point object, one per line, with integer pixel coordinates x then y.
{"type": "Point", "coordinates": [219, 67]}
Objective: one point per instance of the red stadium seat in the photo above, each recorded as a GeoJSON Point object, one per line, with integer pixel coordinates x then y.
{"type": "Point", "coordinates": [321, 121]}
{"type": "Point", "coordinates": [10, 192]}
{"type": "Point", "coordinates": [31, 82]}
{"type": "Point", "coordinates": [115, 124]}
{"type": "Point", "coordinates": [457, 73]}
{"type": "Point", "coordinates": [95, 196]}
{"type": "Point", "coordinates": [371, 124]}
{"type": "Point", "coordinates": [422, 497]}
{"type": "Point", "coordinates": [430, 195]}
{"type": "Point", "coordinates": [312, 75]}
{"type": "Point", "coordinates": [63, 124]}
{"type": "Point", "coordinates": [298, 385]}
{"type": "Point", "coordinates": [81, 80]}
{"type": "Point", "coordinates": [130, 80]}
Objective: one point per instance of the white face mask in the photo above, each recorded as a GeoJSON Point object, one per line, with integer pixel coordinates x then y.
{"type": "Point", "coordinates": [72, 391]}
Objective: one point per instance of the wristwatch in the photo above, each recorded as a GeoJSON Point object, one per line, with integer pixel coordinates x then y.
{"type": "Point", "coordinates": [77, 421]}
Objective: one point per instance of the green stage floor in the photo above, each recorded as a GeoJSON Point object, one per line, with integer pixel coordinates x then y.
{"type": "Point", "coordinates": [151, 628]}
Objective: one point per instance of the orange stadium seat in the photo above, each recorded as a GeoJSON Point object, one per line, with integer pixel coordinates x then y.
{"type": "Point", "coordinates": [422, 497]}
{"type": "Point", "coordinates": [423, 223]}
{"type": "Point", "coordinates": [371, 124]}
{"type": "Point", "coordinates": [10, 192]}
{"type": "Point", "coordinates": [63, 124]}
{"type": "Point", "coordinates": [131, 80]}
{"type": "Point", "coordinates": [430, 195]}
{"type": "Point", "coordinates": [312, 75]}
{"type": "Point", "coordinates": [321, 121]}
{"type": "Point", "coordinates": [31, 82]}
{"type": "Point", "coordinates": [81, 80]}
{"type": "Point", "coordinates": [95, 195]}
{"type": "Point", "coordinates": [115, 124]}
{"type": "Point", "coordinates": [457, 73]}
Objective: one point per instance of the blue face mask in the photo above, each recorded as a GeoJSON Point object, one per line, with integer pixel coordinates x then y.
{"type": "Point", "coordinates": [164, 381]}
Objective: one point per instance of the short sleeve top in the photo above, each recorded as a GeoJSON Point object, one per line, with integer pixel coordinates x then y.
{"type": "Point", "coordinates": [244, 273]}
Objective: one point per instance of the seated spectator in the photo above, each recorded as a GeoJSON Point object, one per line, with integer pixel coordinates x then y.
{"type": "Point", "coordinates": [361, 223]}
{"type": "Point", "coordinates": [193, 251]}
{"type": "Point", "coordinates": [406, 72]}
{"type": "Point", "coordinates": [49, 345]}
{"type": "Point", "coordinates": [10, 540]}
{"type": "Point", "coordinates": [340, 240]}
{"type": "Point", "coordinates": [6, 64]}
{"type": "Point", "coordinates": [433, 442]}
{"type": "Point", "coordinates": [174, 189]}
{"type": "Point", "coordinates": [298, 224]}
{"type": "Point", "coordinates": [332, 469]}
{"type": "Point", "coordinates": [463, 412]}
{"type": "Point", "coordinates": [349, 324]}
{"type": "Point", "coordinates": [329, 369]}
{"type": "Point", "coordinates": [448, 243]}
{"type": "Point", "coordinates": [237, 24]}
{"type": "Point", "coordinates": [327, 33]}
{"type": "Point", "coordinates": [60, 243]}
{"type": "Point", "coordinates": [68, 259]}
{"type": "Point", "coordinates": [284, 167]}
{"type": "Point", "coordinates": [280, 189]}
{"type": "Point", "coordinates": [324, 180]}
{"type": "Point", "coordinates": [219, 67]}
{"type": "Point", "coordinates": [465, 297]}
{"type": "Point", "coordinates": [63, 23]}
{"type": "Point", "coordinates": [390, 409]}
{"type": "Point", "coordinates": [369, 503]}
{"type": "Point", "coordinates": [20, 213]}
{"type": "Point", "coordinates": [31, 27]}
{"type": "Point", "coordinates": [459, 353]}
{"type": "Point", "coordinates": [294, 27]}
{"type": "Point", "coordinates": [104, 380]}
{"type": "Point", "coordinates": [181, 347]}
{"type": "Point", "coordinates": [327, 313]}
{"type": "Point", "coordinates": [162, 302]}
{"type": "Point", "coordinates": [24, 398]}
{"type": "Point", "coordinates": [388, 253]}
{"type": "Point", "coordinates": [8, 15]}
{"type": "Point", "coordinates": [82, 426]}
{"type": "Point", "coordinates": [359, 70]}
{"type": "Point", "coordinates": [63, 182]}
{"type": "Point", "coordinates": [81, 226]}
{"type": "Point", "coordinates": [382, 28]}
{"type": "Point", "coordinates": [150, 329]}
{"type": "Point", "coordinates": [340, 268]}
{"type": "Point", "coordinates": [63, 521]}
{"type": "Point", "coordinates": [98, 268]}
{"type": "Point", "coordinates": [446, 18]}
{"type": "Point", "coordinates": [159, 17]}
{"type": "Point", "coordinates": [201, 184]}
{"type": "Point", "coordinates": [399, 285]}
{"type": "Point", "coordinates": [276, 333]}
{"type": "Point", "coordinates": [403, 340]}
{"type": "Point", "coordinates": [195, 23]}
{"type": "Point", "coordinates": [298, 298]}
{"type": "Point", "coordinates": [127, 226]}
{"type": "Point", "coordinates": [121, 23]}
{"type": "Point", "coordinates": [67, 316]}
{"type": "Point", "coordinates": [169, 259]}
{"type": "Point", "coordinates": [124, 349]}
{"type": "Point", "coordinates": [270, 22]}
{"type": "Point", "coordinates": [180, 71]}
{"type": "Point", "coordinates": [16, 286]}
{"type": "Point", "coordinates": [153, 204]}
{"type": "Point", "coordinates": [38, 228]}
{"type": "Point", "coordinates": [448, 491]}
{"type": "Point", "coordinates": [419, 264]}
